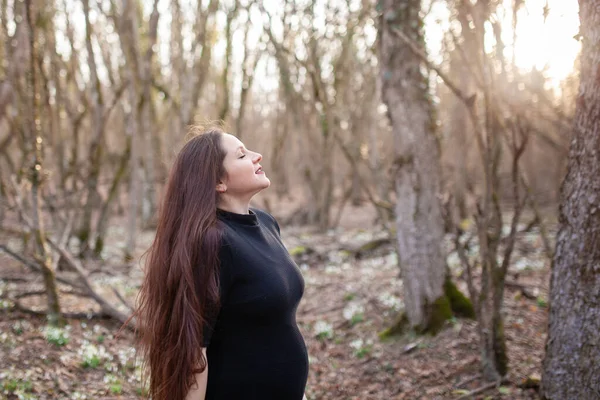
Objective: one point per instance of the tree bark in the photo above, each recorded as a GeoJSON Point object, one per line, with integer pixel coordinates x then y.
{"type": "Point", "coordinates": [97, 143]}
{"type": "Point", "coordinates": [42, 255]}
{"type": "Point", "coordinates": [225, 104]}
{"type": "Point", "coordinates": [248, 73]}
{"type": "Point", "coordinates": [417, 178]}
{"type": "Point", "coordinates": [147, 116]}
{"type": "Point", "coordinates": [571, 369]}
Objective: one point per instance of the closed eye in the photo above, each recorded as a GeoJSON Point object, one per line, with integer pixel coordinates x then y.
{"type": "Point", "coordinates": [242, 156]}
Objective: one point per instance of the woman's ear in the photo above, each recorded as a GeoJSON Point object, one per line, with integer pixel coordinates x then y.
{"type": "Point", "coordinates": [221, 187]}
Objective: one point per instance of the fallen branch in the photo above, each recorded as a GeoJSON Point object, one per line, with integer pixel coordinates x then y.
{"type": "Point", "coordinates": [467, 380]}
{"type": "Point", "coordinates": [69, 315]}
{"type": "Point", "coordinates": [14, 279]}
{"type": "Point", "coordinates": [105, 305]}
{"type": "Point", "coordinates": [368, 247]}
{"type": "Point", "coordinates": [43, 293]}
{"type": "Point", "coordinates": [482, 389]}
{"type": "Point", "coordinates": [32, 265]}
{"type": "Point", "coordinates": [28, 263]}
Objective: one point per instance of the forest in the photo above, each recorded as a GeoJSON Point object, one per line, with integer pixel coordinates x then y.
{"type": "Point", "coordinates": [434, 168]}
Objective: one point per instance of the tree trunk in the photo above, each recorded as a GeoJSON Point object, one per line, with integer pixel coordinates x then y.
{"type": "Point", "coordinates": [113, 192]}
{"type": "Point", "coordinates": [34, 126]}
{"type": "Point", "coordinates": [418, 215]}
{"type": "Point", "coordinates": [571, 369]}
{"type": "Point", "coordinates": [93, 198]}
{"type": "Point", "coordinates": [127, 36]}
{"type": "Point", "coordinates": [248, 73]}
{"type": "Point", "coordinates": [225, 104]}
{"type": "Point", "coordinates": [147, 115]}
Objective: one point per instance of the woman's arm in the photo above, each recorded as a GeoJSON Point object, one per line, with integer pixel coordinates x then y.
{"type": "Point", "coordinates": [198, 390]}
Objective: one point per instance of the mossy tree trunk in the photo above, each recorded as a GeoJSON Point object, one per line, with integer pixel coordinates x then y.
{"type": "Point", "coordinates": [36, 173]}
{"type": "Point", "coordinates": [571, 367]}
{"type": "Point", "coordinates": [419, 221]}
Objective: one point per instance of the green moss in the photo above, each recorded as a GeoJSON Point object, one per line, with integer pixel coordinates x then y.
{"type": "Point", "coordinates": [453, 302]}
{"type": "Point", "coordinates": [127, 256]}
{"type": "Point", "coordinates": [500, 355]}
{"type": "Point", "coordinates": [99, 246]}
{"type": "Point", "coordinates": [438, 313]}
{"type": "Point", "coordinates": [297, 251]}
{"type": "Point", "coordinates": [372, 245]}
{"type": "Point", "coordinates": [83, 235]}
{"type": "Point", "coordinates": [399, 327]}
{"type": "Point", "coordinates": [461, 306]}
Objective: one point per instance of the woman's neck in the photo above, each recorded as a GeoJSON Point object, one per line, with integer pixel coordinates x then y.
{"type": "Point", "coordinates": [238, 207]}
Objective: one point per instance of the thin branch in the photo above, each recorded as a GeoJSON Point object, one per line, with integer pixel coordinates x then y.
{"type": "Point", "coordinates": [28, 263]}
{"type": "Point", "coordinates": [469, 101]}
{"type": "Point", "coordinates": [118, 93]}
{"type": "Point", "coordinates": [43, 293]}
{"type": "Point", "coordinates": [464, 260]}
{"type": "Point", "coordinates": [34, 266]}
{"type": "Point", "coordinates": [120, 297]}
{"type": "Point", "coordinates": [518, 150]}
{"type": "Point", "coordinates": [106, 307]}
{"type": "Point", "coordinates": [482, 389]}
{"type": "Point", "coordinates": [447, 80]}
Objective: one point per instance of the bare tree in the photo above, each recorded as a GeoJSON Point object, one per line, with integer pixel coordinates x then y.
{"type": "Point", "coordinates": [35, 172]}
{"type": "Point", "coordinates": [419, 222]}
{"type": "Point", "coordinates": [231, 16]}
{"type": "Point", "coordinates": [571, 368]}
{"type": "Point", "coordinates": [249, 63]}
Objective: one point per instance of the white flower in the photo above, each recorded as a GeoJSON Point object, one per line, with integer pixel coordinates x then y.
{"type": "Point", "coordinates": [352, 309]}
{"type": "Point", "coordinates": [389, 300]}
{"type": "Point", "coordinates": [92, 354]}
{"type": "Point", "coordinates": [323, 328]}
{"type": "Point", "coordinates": [356, 344]}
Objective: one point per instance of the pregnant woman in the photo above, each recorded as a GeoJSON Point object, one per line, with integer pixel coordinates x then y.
{"type": "Point", "coordinates": [217, 307]}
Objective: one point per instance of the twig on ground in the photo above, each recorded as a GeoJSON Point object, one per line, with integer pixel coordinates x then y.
{"type": "Point", "coordinates": [467, 380]}
{"type": "Point", "coordinates": [482, 389]}
{"type": "Point", "coordinates": [43, 293]}
{"type": "Point", "coordinates": [14, 279]}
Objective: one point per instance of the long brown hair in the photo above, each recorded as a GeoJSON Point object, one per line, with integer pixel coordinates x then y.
{"type": "Point", "coordinates": [180, 286]}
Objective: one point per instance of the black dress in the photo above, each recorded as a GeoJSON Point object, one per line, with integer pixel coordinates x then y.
{"type": "Point", "coordinates": [255, 350]}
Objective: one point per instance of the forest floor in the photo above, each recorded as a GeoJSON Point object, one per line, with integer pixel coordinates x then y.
{"type": "Point", "coordinates": [347, 302]}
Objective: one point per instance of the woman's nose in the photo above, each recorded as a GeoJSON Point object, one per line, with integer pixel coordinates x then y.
{"type": "Point", "coordinates": [257, 157]}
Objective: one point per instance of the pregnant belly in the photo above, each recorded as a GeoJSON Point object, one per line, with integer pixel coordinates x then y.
{"type": "Point", "coordinates": [278, 382]}
{"type": "Point", "coordinates": [260, 349]}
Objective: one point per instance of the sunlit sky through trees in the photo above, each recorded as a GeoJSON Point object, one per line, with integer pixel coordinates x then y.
{"type": "Point", "coordinates": [544, 35]}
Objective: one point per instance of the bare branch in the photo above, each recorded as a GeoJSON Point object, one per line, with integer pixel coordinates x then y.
{"type": "Point", "coordinates": [77, 267]}
{"type": "Point", "coordinates": [32, 265]}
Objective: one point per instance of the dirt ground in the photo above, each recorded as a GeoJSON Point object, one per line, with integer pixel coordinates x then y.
{"type": "Point", "coordinates": [346, 303]}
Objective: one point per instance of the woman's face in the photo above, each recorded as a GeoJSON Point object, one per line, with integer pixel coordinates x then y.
{"type": "Point", "coordinates": [244, 177]}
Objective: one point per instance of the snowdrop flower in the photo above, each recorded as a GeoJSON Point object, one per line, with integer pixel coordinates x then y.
{"type": "Point", "coordinates": [323, 328]}
{"type": "Point", "coordinates": [391, 301]}
{"type": "Point", "coordinates": [357, 344]}
{"type": "Point", "coordinates": [352, 309]}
